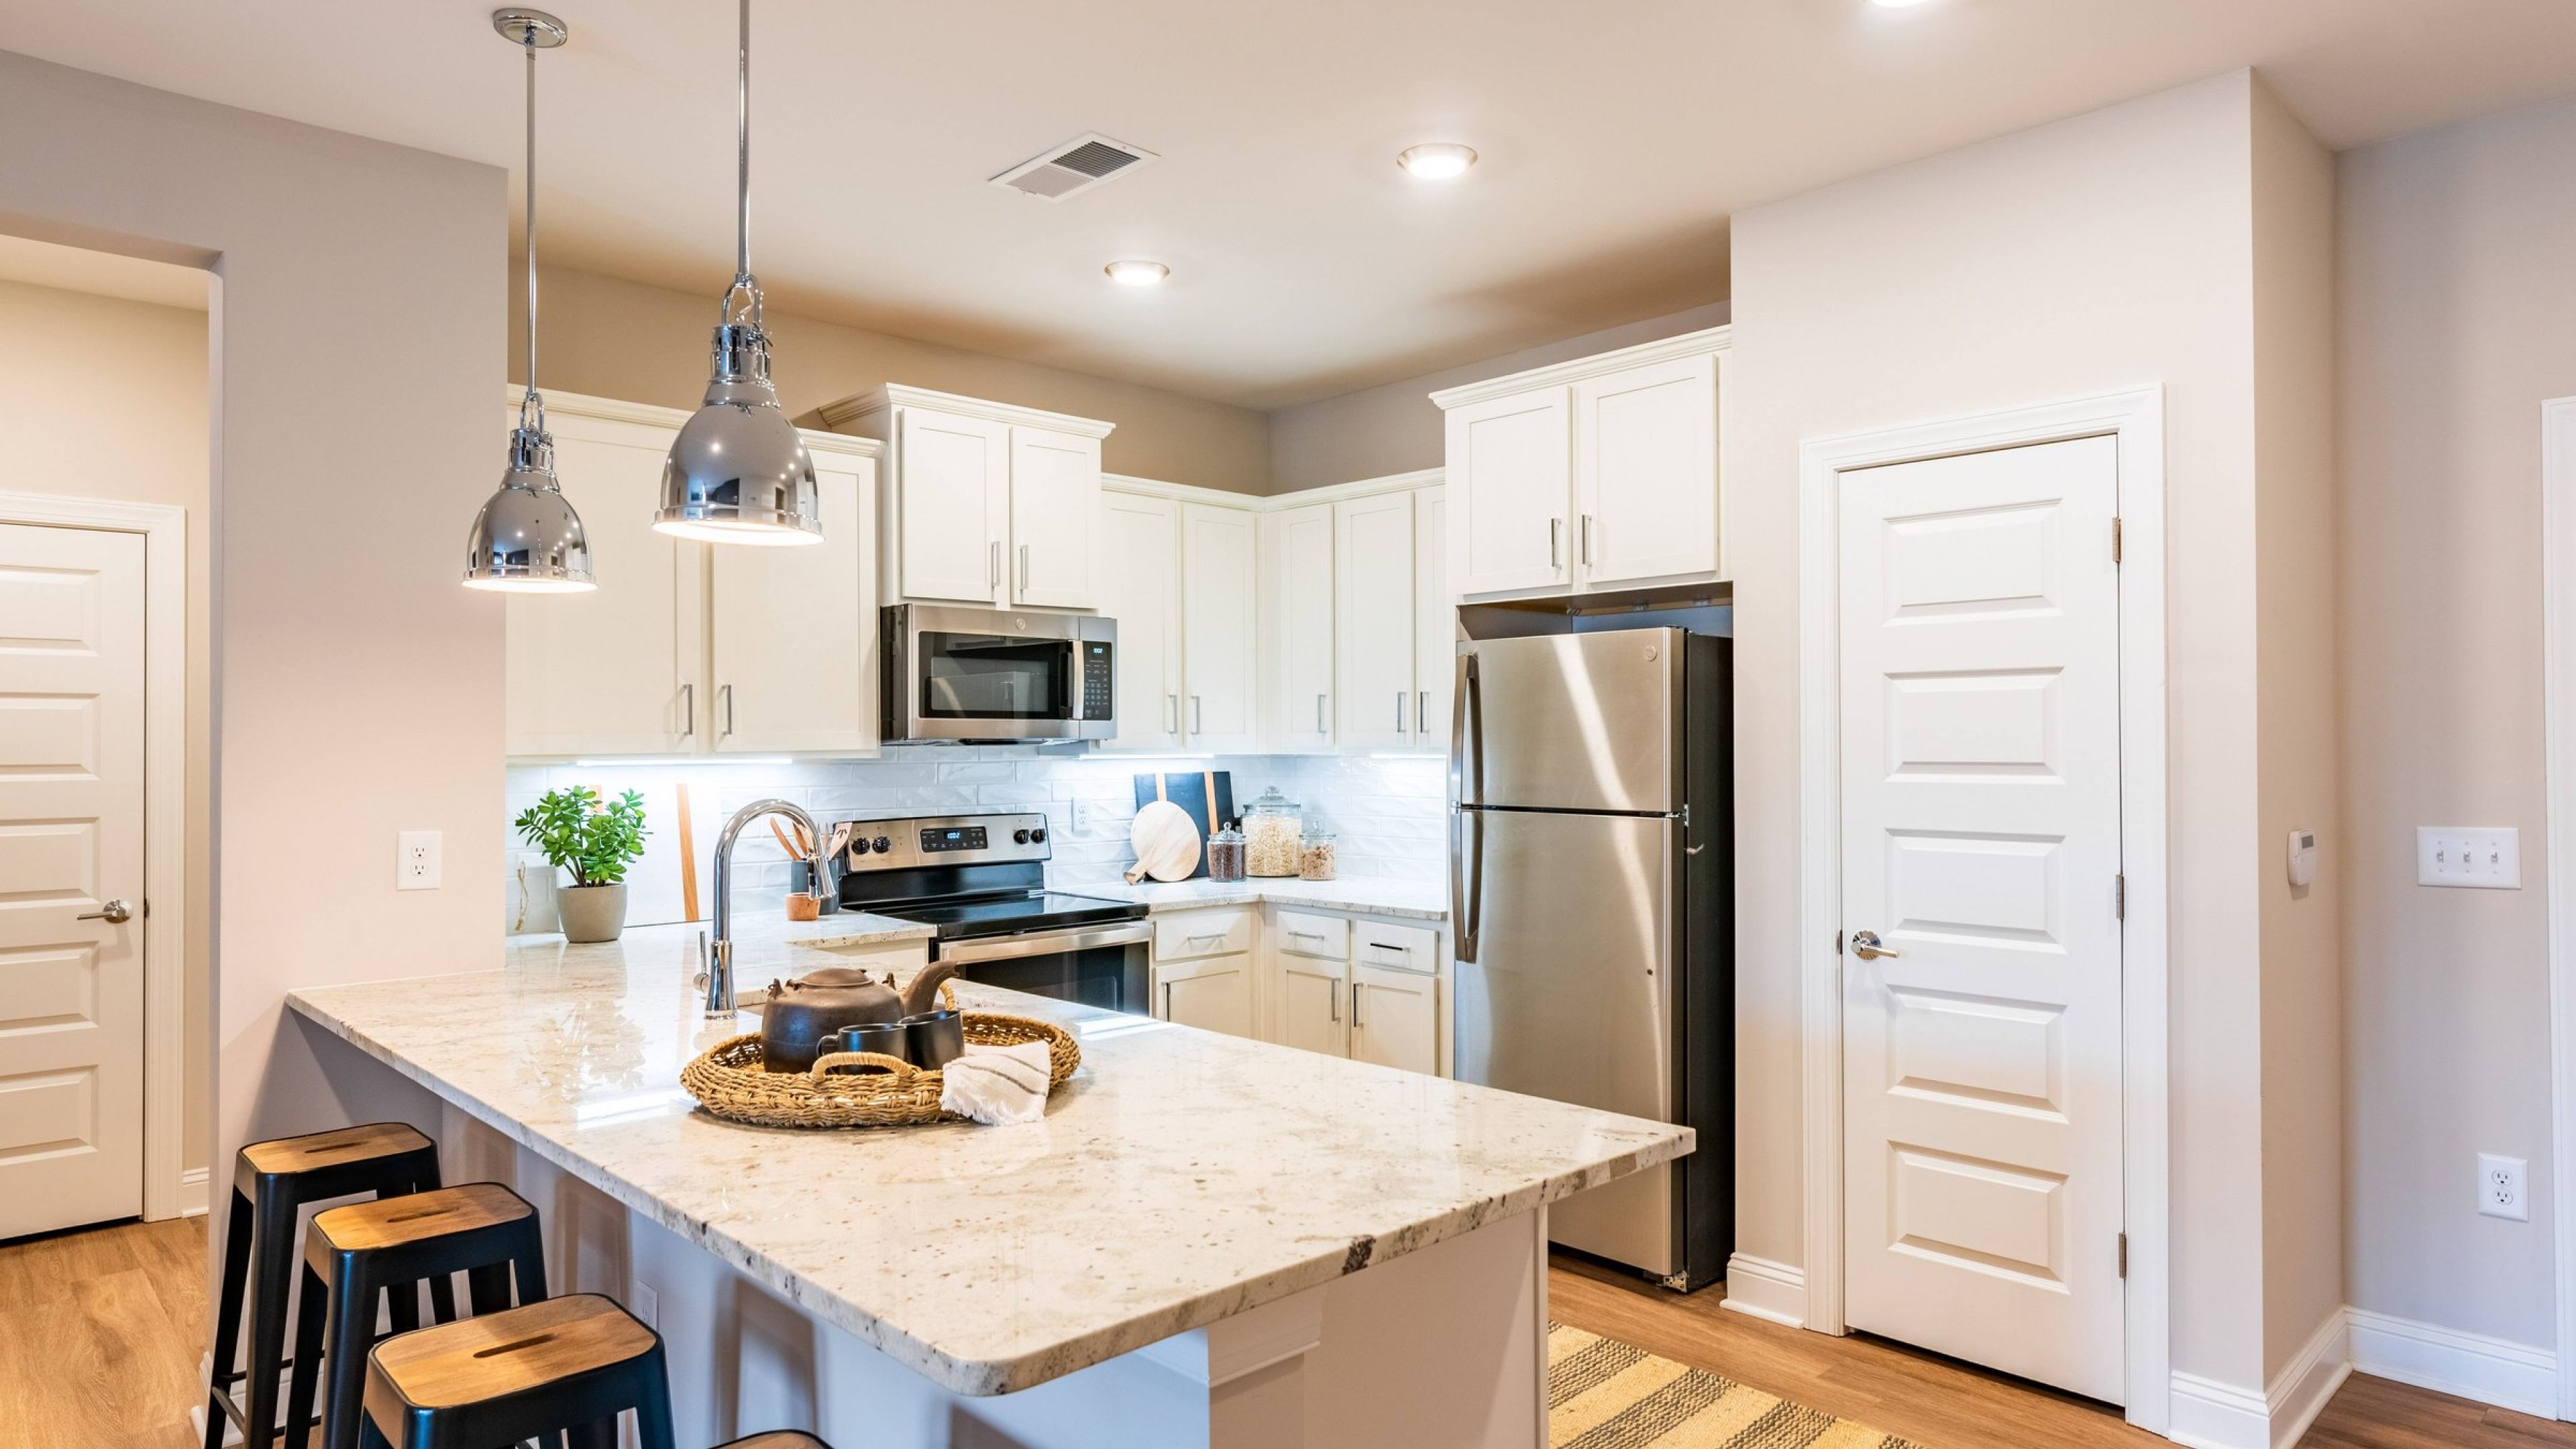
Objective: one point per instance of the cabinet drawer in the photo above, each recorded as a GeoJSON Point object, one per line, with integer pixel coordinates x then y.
{"type": "Point", "coordinates": [1398, 948]}
{"type": "Point", "coordinates": [1202, 933]}
{"type": "Point", "coordinates": [1326, 938]}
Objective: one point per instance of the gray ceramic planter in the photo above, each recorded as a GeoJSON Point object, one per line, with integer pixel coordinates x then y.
{"type": "Point", "coordinates": [592, 913]}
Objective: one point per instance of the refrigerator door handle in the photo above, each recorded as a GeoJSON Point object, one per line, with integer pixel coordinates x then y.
{"type": "Point", "coordinates": [1466, 880]}
{"type": "Point", "coordinates": [1466, 736]}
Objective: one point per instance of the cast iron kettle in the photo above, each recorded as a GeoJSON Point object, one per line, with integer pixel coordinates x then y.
{"type": "Point", "coordinates": [800, 1013]}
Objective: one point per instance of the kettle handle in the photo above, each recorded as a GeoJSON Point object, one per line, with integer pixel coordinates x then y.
{"type": "Point", "coordinates": [917, 995]}
{"type": "Point", "coordinates": [823, 1065]}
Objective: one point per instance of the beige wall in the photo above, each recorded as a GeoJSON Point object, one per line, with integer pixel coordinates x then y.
{"type": "Point", "coordinates": [357, 688]}
{"type": "Point", "coordinates": [2458, 301]}
{"type": "Point", "coordinates": [1394, 428]}
{"type": "Point", "coordinates": [2296, 703]}
{"type": "Point", "coordinates": [2105, 252]}
{"type": "Point", "coordinates": [76, 368]}
{"type": "Point", "coordinates": [614, 338]}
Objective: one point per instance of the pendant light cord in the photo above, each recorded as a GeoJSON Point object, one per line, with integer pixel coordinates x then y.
{"type": "Point", "coordinates": [745, 285]}
{"type": "Point", "coordinates": [531, 403]}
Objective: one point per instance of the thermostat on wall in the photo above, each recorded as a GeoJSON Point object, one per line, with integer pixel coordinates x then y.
{"type": "Point", "coordinates": [2303, 857]}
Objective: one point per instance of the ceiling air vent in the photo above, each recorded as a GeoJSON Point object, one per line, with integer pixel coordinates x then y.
{"type": "Point", "coordinates": [1076, 166]}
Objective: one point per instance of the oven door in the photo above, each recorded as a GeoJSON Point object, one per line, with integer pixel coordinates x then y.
{"type": "Point", "coordinates": [1102, 966]}
{"type": "Point", "coordinates": [991, 674]}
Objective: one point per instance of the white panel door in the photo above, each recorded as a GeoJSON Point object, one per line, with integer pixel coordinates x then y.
{"type": "Point", "coordinates": [1510, 478]}
{"type": "Point", "coordinates": [71, 839]}
{"type": "Point", "coordinates": [1140, 588]}
{"type": "Point", "coordinates": [1646, 473]}
{"type": "Point", "coordinates": [1220, 627]}
{"type": "Point", "coordinates": [955, 477]}
{"type": "Point", "coordinates": [794, 630]}
{"type": "Point", "coordinates": [1395, 1019]}
{"type": "Point", "coordinates": [1981, 843]}
{"type": "Point", "coordinates": [1301, 622]}
{"type": "Point", "coordinates": [1214, 994]}
{"type": "Point", "coordinates": [1306, 1005]}
{"type": "Point", "coordinates": [614, 671]}
{"type": "Point", "coordinates": [1055, 517]}
{"type": "Point", "coordinates": [1435, 621]}
{"type": "Point", "coordinates": [1373, 621]}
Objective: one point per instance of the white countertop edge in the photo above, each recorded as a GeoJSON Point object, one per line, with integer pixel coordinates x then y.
{"type": "Point", "coordinates": [1361, 897]}
{"type": "Point", "coordinates": [983, 1379]}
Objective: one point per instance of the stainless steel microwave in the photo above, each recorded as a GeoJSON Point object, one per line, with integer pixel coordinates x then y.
{"type": "Point", "coordinates": [997, 674]}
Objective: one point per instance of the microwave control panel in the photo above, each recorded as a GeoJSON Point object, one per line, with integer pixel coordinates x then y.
{"type": "Point", "coordinates": [1099, 680]}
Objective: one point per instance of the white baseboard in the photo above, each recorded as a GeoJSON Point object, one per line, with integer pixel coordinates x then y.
{"type": "Point", "coordinates": [193, 1192]}
{"type": "Point", "coordinates": [1772, 1292]}
{"type": "Point", "coordinates": [2471, 1365]}
{"type": "Point", "coordinates": [2207, 1414]}
{"type": "Point", "coordinates": [2300, 1391]}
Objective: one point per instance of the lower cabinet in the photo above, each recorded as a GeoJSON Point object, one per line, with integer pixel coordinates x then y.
{"type": "Point", "coordinates": [1213, 993]}
{"type": "Point", "coordinates": [1395, 1018]}
{"type": "Point", "coordinates": [1322, 991]}
{"type": "Point", "coordinates": [1306, 1005]}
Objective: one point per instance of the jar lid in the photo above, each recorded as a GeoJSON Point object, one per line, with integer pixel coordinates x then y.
{"type": "Point", "coordinates": [1227, 835]}
{"type": "Point", "coordinates": [1270, 803]}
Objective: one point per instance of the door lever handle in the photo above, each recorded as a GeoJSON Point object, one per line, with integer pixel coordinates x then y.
{"type": "Point", "coordinates": [1865, 946]}
{"type": "Point", "coordinates": [115, 913]}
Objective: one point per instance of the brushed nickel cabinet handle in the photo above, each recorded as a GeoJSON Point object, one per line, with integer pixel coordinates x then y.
{"type": "Point", "coordinates": [1399, 710]}
{"type": "Point", "coordinates": [1555, 529]}
{"type": "Point", "coordinates": [688, 711]}
{"type": "Point", "coordinates": [1198, 715]}
{"type": "Point", "coordinates": [1422, 712]}
{"type": "Point", "coordinates": [1587, 540]}
{"type": "Point", "coordinates": [1319, 715]}
{"type": "Point", "coordinates": [1356, 988]}
{"type": "Point", "coordinates": [1024, 568]}
{"type": "Point", "coordinates": [1337, 1000]}
{"type": "Point", "coordinates": [724, 693]}
{"type": "Point", "coordinates": [993, 565]}
{"type": "Point", "coordinates": [1172, 713]}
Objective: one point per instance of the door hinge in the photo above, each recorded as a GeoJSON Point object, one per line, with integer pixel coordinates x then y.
{"type": "Point", "coordinates": [2124, 1255]}
{"type": "Point", "coordinates": [2115, 540]}
{"type": "Point", "coordinates": [2120, 896]}
{"type": "Point", "coordinates": [1838, 943]}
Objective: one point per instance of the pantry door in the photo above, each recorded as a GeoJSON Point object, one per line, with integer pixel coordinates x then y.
{"type": "Point", "coordinates": [71, 847]}
{"type": "Point", "coordinates": [1982, 1036]}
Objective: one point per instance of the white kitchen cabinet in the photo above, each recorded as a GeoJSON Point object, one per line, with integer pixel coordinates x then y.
{"type": "Point", "coordinates": [1395, 1018]}
{"type": "Point", "coordinates": [1298, 625]}
{"type": "Point", "coordinates": [690, 648]}
{"type": "Point", "coordinates": [1435, 620]}
{"type": "Point", "coordinates": [791, 632]}
{"type": "Point", "coordinates": [983, 502]}
{"type": "Point", "coordinates": [1306, 1004]}
{"type": "Point", "coordinates": [1645, 473]}
{"type": "Point", "coordinates": [1220, 627]}
{"type": "Point", "coordinates": [1213, 993]}
{"type": "Point", "coordinates": [1597, 474]}
{"type": "Point", "coordinates": [1140, 559]}
{"type": "Point", "coordinates": [1055, 510]}
{"type": "Point", "coordinates": [1373, 630]}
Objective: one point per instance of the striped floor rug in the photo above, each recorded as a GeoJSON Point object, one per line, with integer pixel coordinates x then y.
{"type": "Point", "coordinates": [1604, 1394]}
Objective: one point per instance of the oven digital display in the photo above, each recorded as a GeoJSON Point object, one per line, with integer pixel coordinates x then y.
{"type": "Point", "coordinates": [970, 837]}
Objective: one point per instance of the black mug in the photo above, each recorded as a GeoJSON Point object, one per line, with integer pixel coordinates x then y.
{"type": "Point", "coordinates": [886, 1038]}
{"type": "Point", "coordinates": [935, 1038]}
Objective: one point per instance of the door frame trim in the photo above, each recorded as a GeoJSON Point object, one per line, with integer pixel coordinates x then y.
{"type": "Point", "coordinates": [2135, 419]}
{"type": "Point", "coordinates": [2558, 730]}
{"type": "Point", "coordinates": [169, 1189]}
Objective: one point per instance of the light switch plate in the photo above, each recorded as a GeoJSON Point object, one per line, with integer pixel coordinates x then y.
{"type": "Point", "coordinates": [416, 860]}
{"type": "Point", "coordinates": [2476, 857]}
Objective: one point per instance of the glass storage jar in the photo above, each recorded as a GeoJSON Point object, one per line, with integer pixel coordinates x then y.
{"type": "Point", "coordinates": [1272, 830]}
{"type": "Point", "coordinates": [1225, 855]}
{"type": "Point", "coordinates": [1315, 857]}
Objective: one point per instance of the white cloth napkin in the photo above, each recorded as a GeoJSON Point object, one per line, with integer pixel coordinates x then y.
{"type": "Point", "coordinates": [998, 1085]}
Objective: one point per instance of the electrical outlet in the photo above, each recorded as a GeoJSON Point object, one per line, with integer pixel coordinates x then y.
{"type": "Point", "coordinates": [2500, 1187]}
{"type": "Point", "coordinates": [2479, 858]}
{"type": "Point", "coordinates": [648, 1304]}
{"type": "Point", "coordinates": [416, 860]}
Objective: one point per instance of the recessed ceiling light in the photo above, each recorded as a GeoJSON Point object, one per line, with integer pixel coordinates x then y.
{"type": "Point", "coordinates": [1897, 4]}
{"type": "Point", "coordinates": [1137, 273]}
{"type": "Point", "coordinates": [1437, 161]}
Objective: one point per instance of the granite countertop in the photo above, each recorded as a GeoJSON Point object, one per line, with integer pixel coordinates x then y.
{"type": "Point", "coordinates": [1362, 895]}
{"type": "Point", "coordinates": [770, 930]}
{"type": "Point", "coordinates": [1180, 1178]}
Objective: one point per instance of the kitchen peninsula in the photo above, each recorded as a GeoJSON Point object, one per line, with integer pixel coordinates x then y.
{"type": "Point", "coordinates": [1207, 1241]}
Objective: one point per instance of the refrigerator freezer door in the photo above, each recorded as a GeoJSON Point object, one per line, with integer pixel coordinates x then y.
{"type": "Point", "coordinates": [1570, 995]}
{"type": "Point", "coordinates": [1572, 721]}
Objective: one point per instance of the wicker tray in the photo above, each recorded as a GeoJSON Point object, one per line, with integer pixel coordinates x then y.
{"type": "Point", "coordinates": [728, 1081]}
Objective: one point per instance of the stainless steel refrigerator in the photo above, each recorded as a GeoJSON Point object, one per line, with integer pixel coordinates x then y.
{"type": "Point", "coordinates": [1591, 864]}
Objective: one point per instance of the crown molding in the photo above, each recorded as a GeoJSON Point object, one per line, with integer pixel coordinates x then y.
{"type": "Point", "coordinates": [1274, 502]}
{"type": "Point", "coordinates": [859, 406]}
{"type": "Point", "coordinates": [1688, 344]}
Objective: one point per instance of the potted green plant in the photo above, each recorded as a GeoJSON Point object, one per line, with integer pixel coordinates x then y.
{"type": "Point", "coordinates": [595, 839]}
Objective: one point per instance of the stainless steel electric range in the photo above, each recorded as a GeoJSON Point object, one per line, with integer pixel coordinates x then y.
{"type": "Point", "coordinates": [981, 880]}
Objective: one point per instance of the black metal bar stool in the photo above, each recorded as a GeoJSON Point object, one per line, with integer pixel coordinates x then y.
{"type": "Point", "coordinates": [355, 1255]}
{"type": "Point", "coordinates": [271, 1181]}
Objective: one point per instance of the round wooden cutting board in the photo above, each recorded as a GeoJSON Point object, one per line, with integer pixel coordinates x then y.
{"type": "Point", "coordinates": [1166, 841]}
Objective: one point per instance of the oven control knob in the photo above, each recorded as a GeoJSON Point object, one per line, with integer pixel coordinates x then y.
{"type": "Point", "coordinates": [881, 845]}
{"type": "Point", "coordinates": [859, 846]}
{"type": "Point", "coordinates": [1038, 836]}
{"type": "Point", "coordinates": [1019, 837]}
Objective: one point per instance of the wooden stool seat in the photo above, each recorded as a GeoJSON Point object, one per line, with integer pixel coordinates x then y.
{"type": "Point", "coordinates": [571, 1363]}
{"type": "Point", "coordinates": [393, 1222]}
{"type": "Point", "coordinates": [272, 1181]}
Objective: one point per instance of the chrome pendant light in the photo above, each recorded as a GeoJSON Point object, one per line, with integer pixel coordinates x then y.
{"type": "Point", "coordinates": [738, 472]}
{"type": "Point", "coordinates": [528, 539]}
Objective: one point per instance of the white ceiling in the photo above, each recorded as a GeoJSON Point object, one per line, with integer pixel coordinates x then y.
{"type": "Point", "coordinates": [1617, 138]}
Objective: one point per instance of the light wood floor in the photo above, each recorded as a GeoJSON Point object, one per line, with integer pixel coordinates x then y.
{"type": "Point", "coordinates": [1943, 1404]}
{"type": "Point", "coordinates": [101, 1332]}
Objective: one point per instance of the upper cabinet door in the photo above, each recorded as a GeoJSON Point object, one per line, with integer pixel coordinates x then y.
{"type": "Point", "coordinates": [1140, 589]}
{"type": "Point", "coordinates": [1055, 512]}
{"type": "Point", "coordinates": [1435, 620]}
{"type": "Point", "coordinates": [1220, 627]}
{"type": "Point", "coordinates": [955, 475]}
{"type": "Point", "coordinates": [614, 671]}
{"type": "Point", "coordinates": [1300, 646]}
{"type": "Point", "coordinates": [792, 631]}
{"type": "Point", "coordinates": [1509, 481]}
{"type": "Point", "coordinates": [1646, 473]}
{"type": "Point", "coordinates": [1373, 621]}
